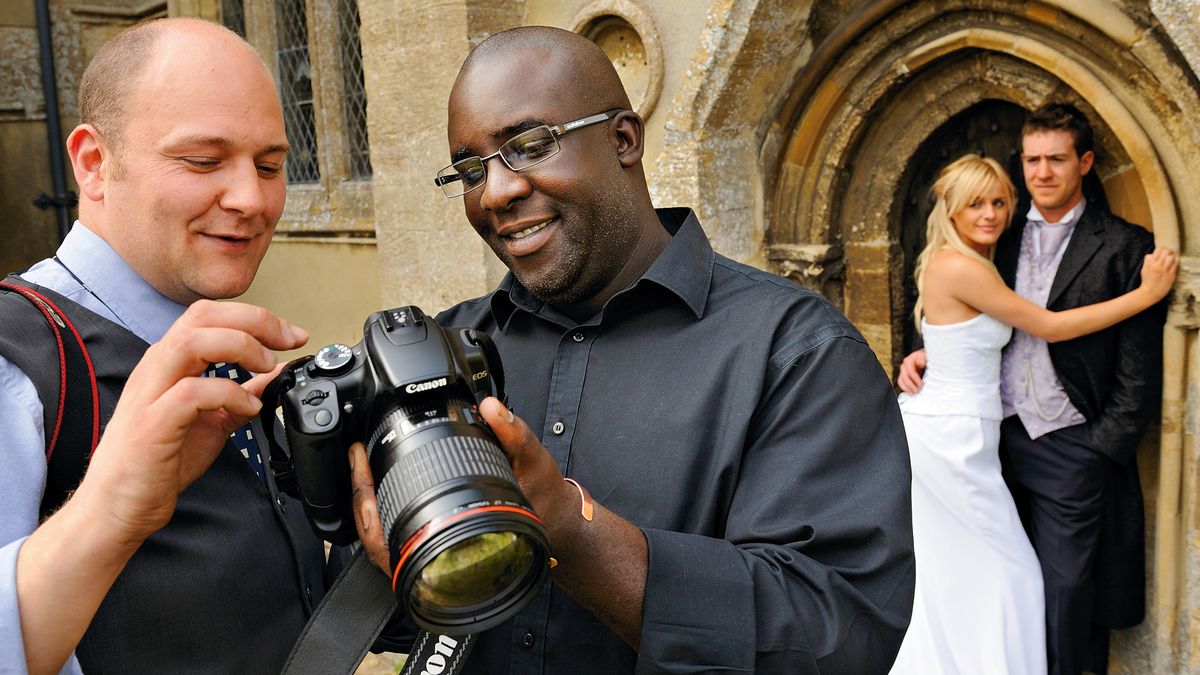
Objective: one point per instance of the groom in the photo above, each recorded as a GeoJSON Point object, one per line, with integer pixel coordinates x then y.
{"type": "Point", "coordinates": [1075, 411]}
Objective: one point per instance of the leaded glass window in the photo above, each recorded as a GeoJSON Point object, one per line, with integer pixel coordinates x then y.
{"type": "Point", "coordinates": [354, 91]}
{"type": "Point", "coordinates": [233, 15]}
{"type": "Point", "coordinates": [296, 90]}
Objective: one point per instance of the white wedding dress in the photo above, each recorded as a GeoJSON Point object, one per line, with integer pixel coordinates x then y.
{"type": "Point", "coordinates": [979, 602]}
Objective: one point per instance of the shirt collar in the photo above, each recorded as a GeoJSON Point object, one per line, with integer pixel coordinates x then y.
{"type": "Point", "coordinates": [105, 274]}
{"type": "Point", "coordinates": [686, 264]}
{"type": "Point", "coordinates": [684, 268]}
{"type": "Point", "coordinates": [1072, 216]}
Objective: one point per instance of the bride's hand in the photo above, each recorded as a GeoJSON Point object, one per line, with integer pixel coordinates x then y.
{"type": "Point", "coordinates": [1158, 272]}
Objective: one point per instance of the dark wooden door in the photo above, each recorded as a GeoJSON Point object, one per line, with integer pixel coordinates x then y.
{"type": "Point", "coordinates": [990, 128]}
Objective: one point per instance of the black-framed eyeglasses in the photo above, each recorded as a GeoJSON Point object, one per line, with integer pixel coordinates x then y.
{"type": "Point", "coordinates": [520, 152]}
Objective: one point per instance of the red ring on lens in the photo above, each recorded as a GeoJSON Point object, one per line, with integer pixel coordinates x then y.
{"type": "Point", "coordinates": [424, 532]}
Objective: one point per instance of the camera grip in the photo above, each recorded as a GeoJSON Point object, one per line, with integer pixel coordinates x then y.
{"type": "Point", "coordinates": [319, 457]}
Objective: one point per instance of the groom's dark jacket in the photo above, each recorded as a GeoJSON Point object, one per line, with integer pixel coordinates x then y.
{"type": "Point", "coordinates": [1113, 377]}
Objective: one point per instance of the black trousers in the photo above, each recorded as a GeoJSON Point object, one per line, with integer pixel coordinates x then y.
{"type": "Point", "coordinates": [1058, 483]}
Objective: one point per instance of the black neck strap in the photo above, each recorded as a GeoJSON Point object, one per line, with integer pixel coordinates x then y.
{"type": "Point", "coordinates": [351, 616]}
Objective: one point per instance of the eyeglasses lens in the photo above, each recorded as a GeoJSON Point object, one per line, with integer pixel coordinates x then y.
{"type": "Point", "coordinates": [520, 152]}
{"type": "Point", "coordinates": [461, 177]}
{"type": "Point", "coordinates": [530, 147]}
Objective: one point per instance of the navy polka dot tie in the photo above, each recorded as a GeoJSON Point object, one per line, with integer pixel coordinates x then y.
{"type": "Point", "coordinates": [243, 438]}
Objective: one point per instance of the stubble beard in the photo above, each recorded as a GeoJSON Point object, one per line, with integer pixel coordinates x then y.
{"type": "Point", "coordinates": [593, 242]}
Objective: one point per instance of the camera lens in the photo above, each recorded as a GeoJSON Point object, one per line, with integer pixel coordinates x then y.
{"type": "Point", "coordinates": [467, 548]}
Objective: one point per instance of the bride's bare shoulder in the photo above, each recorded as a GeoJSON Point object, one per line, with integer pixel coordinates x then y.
{"type": "Point", "coordinates": [949, 262]}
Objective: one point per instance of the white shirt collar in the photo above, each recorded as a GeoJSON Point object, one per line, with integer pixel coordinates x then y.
{"type": "Point", "coordinates": [1072, 216]}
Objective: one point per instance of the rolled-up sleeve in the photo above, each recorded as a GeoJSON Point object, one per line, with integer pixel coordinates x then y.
{"type": "Point", "coordinates": [815, 570]}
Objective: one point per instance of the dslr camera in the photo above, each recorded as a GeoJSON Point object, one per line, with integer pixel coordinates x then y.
{"type": "Point", "coordinates": [467, 550]}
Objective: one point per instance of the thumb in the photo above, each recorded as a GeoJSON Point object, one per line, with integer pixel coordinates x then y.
{"type": "Point", "coordinates": [257, 384]}
{"type": "Point", "coordinates": [512, 432]}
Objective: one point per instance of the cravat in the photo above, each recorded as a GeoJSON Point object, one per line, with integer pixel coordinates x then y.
{"type": "Point", "coordinates": [1050, 237]}
{"type": "Point", "coordinates": [243, 438]}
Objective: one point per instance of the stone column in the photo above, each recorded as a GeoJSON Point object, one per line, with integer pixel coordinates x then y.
{"type": "Point", "coordinates": [428, 254]}
{"type": "Point", "coordinates": [1174, 581]}
{"type": "Point", "coordinates": [204, 9]}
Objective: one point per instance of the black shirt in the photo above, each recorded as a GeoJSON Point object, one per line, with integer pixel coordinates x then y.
{"type": "Point", "coordinates": [746, 427]}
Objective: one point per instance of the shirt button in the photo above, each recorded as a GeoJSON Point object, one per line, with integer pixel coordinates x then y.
{"type": "Point", "coordinates": [527, 640]}
{"type": "Point", "coordinates": [578, 337]}
{"type": "Point", "coordinates": [558, 428]}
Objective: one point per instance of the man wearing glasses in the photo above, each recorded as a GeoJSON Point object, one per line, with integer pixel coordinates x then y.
{"type": "Point", "coordinates": [740, 483]}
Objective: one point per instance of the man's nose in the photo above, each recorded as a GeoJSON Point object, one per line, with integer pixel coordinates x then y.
{"type": "Point", "coordinates": [1043, 168]}
{"type": "Point", "coordinates": [244, 189]}
{"type": "Point", "coordinates": [503, 186]}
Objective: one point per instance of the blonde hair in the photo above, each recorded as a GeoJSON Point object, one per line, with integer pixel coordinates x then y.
{"type": "Point", "coordinates": [958, 186]}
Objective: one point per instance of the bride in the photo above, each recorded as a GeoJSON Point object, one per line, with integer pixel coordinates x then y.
{"type": "Point", "coordinates": [979, 601]}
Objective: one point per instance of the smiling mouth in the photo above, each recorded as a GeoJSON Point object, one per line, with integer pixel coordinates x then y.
{"type": "Point", "coordinates": [528, 231]}
{"type": "Point", "coordinates": [230, 239]}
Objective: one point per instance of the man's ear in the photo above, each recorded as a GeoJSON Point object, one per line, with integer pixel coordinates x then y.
{"type": "Point", "coordinates": [1085, 162]}
{"type": "Point", "coordinates": [628, 136]}
{"type": "Point", "coordinates": [89, 160]}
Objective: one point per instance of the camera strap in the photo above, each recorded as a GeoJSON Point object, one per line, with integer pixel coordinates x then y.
{"type": "Point", "coordinates": [350, 617]}
{"type": "Point", "coordinates": [346, 623]}
{"type": "Point", "coordinates": [440, 654]}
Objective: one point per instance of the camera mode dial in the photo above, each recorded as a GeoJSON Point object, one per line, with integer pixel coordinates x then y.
{"type": "Point", "coordinates": [333, 359]}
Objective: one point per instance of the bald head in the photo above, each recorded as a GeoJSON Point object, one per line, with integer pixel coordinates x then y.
{"type": "Point", "coordinates": [113, 74]}
{"type": "Point", "coordinates": [582, 72]}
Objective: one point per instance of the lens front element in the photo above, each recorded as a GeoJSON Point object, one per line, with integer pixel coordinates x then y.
{"type": "Point", "coordinates": [474, 571]}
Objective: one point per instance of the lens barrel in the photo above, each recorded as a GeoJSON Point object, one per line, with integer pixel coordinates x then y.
{"type": "Point", "coordinates": [468, 551]}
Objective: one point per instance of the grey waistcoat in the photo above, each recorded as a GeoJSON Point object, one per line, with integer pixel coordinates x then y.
{"type": "Point", "coordinates": [229, 583]}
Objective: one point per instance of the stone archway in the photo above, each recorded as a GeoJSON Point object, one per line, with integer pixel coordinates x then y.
{"type": "Point", "coordinates": [839, 175]}
{"type": "Point", "coordinates": [838, 153]}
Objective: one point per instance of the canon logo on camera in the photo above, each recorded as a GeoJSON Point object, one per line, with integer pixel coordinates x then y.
{"type": "Point", "coordinates": [425, 386]}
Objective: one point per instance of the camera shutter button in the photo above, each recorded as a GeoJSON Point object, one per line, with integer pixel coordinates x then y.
{"type": "Point", "coordinates": [322, 418]}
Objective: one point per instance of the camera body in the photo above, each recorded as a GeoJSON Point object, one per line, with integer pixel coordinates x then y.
{"type": "Point", "coordinates": [334, 399]}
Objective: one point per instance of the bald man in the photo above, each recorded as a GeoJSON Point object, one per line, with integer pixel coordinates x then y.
{"type": "Point", "coordinates": [173, 554]}
{"type": "Point", "coordinates": [741, 494]}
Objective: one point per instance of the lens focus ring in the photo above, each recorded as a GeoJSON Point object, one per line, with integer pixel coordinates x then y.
{"type": "Point", "coordinates": [435, 463]}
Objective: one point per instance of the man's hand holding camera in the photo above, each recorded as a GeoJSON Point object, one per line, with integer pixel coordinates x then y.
{"type": "Point", "coordinates": [601, 563]}
{"type": "Point", "coordinates": [556, 501]}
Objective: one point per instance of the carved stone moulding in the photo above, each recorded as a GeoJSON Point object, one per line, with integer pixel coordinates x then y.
{"type": "Point", "coordinates": [625, 31]}
{"type": "Point", "coordinates": [818, 267]}
{"type": "Point", "coordinates": [1184, 310]}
